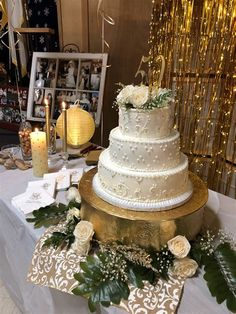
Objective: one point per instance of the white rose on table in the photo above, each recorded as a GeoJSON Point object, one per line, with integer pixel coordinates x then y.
{"type": "Point", "coordinates": [83, 235]}
{"type": "Point", "coordinates": [124, 95]}
{"type": "Point", "coordinates": [71, 213]}
{"type": "Point", "coordinates": [73, 194]}
{"type": "Point", "coordinates": [80, 249]}
{"type": "Point", "coordinates": [139, 96]}
{"type": "Point", "coordinates": [184, 268]}
{"type": "Point", "coordinates": [179, 246]}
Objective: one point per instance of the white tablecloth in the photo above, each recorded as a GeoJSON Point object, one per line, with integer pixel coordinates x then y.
{"type": "Point", "coordinates": [18, 239]}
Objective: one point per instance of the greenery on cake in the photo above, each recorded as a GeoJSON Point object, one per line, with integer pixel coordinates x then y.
{"type": "Point", "coordinates": [109, 269]}
{"type": "Point", "coordinates": [143, 97]}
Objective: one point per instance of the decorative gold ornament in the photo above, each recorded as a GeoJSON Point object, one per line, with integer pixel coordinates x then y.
{"type": "Point", "coordinates": [198, 41]}
{"type": "Point", "coordinates": [142, 228]}
{"type": "Point", "coordinates": [80, 126]}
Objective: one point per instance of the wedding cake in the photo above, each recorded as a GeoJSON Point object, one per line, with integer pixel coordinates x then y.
{"type": "Point", "coordinates": [143, 168]}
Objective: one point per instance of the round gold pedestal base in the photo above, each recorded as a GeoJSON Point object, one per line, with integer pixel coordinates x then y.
{"type": "Point", "coordinates": [112, 223]}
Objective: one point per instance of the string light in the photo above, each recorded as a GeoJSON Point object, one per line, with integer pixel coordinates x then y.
{"type": "Point", "coordinates": [198, 41]}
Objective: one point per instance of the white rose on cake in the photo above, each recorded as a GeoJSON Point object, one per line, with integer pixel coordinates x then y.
{"type": "Point", "coordinates": [185, 267]}
{"type": "Point", "coordinates": [179, 246]}
{"type": "Point", "coordinates": [139, 96]}
{"type": "Point", "coordinates": [124, 95]}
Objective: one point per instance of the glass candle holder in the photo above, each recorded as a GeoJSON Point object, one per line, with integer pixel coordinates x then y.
{"type": "Point", "coordinates": [24, 138]}
{"type": "Point", "coordinates": [52, 139]}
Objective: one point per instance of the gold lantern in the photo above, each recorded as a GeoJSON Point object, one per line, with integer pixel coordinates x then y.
{"type": "Point", "coordinates": [80, 126]}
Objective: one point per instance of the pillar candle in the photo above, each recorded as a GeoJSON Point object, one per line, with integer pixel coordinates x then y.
{"type": "Point", "coordinates": [39, 153]}
{"type": "Point", "coordinates": [47, 114]}
{"type": "Point", "coordinates": [64, 128]}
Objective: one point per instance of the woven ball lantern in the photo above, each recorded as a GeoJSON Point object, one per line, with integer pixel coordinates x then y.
{"type": "Point", "coordinates": [80, 127]}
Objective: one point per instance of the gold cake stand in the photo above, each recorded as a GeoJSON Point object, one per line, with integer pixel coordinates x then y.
{"type": "Point", "coordinates": [112, 223]}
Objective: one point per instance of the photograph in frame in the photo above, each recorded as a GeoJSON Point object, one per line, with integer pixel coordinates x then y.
{"type": "Point", "coordinates": [69, 77]}
{"type": "Point", "coordinates": [67, 74]}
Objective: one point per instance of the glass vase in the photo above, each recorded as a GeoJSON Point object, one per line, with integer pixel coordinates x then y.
{"type": "Point", "coordinates": [52, 139]}
{"type": "Point", "coordinates": [24, 137]}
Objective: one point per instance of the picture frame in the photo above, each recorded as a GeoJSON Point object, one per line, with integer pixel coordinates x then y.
{"type": "Point", "coordinates": [76, 78]}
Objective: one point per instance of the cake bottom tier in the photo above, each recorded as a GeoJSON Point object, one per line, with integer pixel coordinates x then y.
{"type": "Point", "coordinates": [147, 229]}
{"type": "Point", "coordinates": [142, 190]}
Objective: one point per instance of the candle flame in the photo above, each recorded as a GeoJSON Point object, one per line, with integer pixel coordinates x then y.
{"type": "Point", "coordinates": [63, 105]}
{"type": "Point", "coordinates": [36, 130]}
{"type": "Point", "coordinates": [46, 102]}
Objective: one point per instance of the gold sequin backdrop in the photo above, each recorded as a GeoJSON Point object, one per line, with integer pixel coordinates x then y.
{"type": "Point", "coordinates": [198, 41]}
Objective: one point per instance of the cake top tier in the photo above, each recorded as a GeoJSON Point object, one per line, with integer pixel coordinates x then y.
{"type": "Point", "coordinates": [143, 97]}
{"type": "Point", "coordinates": [146, 124]}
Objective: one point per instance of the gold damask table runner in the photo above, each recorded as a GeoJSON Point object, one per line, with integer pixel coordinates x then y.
{"type": "Point", "coordinates": [55, 268]}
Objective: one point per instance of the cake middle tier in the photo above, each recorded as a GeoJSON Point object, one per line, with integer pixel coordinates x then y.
{"type": "Point", "coordinates": [144, 155]}
{"type": "Point", "coordinates": [142, 188]}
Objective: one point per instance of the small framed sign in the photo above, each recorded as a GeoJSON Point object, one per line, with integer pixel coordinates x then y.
{"type": "Point", "coordinates": [69, 77]}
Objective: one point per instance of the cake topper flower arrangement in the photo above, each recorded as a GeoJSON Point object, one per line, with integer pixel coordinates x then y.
{"type": "Point", "coordinates": [143, 96]}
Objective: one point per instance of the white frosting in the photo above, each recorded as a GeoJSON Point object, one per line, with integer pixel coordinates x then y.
{"type": "Point", "coordinates": [140, 206]}
{"type": "Point", "coordinates": [143, 169]}
{"type": "Point", "coordinates": [142, 186]}
{"type": "Point", "coordinates": [137, 123]}
{"type": "Point", "coordinates": [144, 154]}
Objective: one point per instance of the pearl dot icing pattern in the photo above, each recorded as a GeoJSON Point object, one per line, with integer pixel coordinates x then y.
{"type": "Point", "coordinates": [143, 169]}
{"type": "Point", "coordinates": [140, 154]}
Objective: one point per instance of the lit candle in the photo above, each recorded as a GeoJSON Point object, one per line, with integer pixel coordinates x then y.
{"type": "Point", "coordinates": [47, 114]}
{"type": "Point", "coordinates": [64, 127]}
{"type": "Point", "coordinates": [39, 153]}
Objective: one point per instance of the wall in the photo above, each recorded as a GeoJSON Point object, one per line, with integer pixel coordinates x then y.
{"type": "Point", "coordinates": [127, 40]}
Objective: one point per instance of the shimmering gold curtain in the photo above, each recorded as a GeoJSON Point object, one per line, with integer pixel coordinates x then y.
{"type": "Point", "coordinates": [198, 41]}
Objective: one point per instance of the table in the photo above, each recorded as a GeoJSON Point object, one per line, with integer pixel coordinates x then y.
{"type": "Point", "coordinates": [18, 239]}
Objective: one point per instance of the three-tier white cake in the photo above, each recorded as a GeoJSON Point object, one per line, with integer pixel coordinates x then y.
{"type": "Point", "coordinates": [143, 168]}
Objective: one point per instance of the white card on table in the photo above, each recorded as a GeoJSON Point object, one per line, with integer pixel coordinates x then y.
{"type": "Point", "coordinates": [48, 185]}
{"type": "Point", "coordinates": [32, 200]}
{"type": "Point", "coordinates": [62, 179]}
{"type": "Point", "coordinates": [76, 175]}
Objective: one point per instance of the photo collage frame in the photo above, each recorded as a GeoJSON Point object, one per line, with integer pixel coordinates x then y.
{"type": "Point", "coordinates": [70, 77]}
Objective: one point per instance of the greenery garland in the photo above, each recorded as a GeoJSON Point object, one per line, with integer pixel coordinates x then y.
{"type": "Point", "coordinates": [107, 273]}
